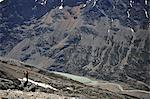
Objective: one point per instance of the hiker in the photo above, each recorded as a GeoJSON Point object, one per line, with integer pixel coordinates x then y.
{"type": "Point", "coordinates": [26, 74]}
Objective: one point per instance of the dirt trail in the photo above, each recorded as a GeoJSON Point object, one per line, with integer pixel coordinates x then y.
{"type": "Point", "coordinates": [118, 88]}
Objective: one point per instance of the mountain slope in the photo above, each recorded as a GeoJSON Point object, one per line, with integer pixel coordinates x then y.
{"type": "Point", "coordinates": [11, 70]}
{"type": "Point", "coordinates": [106, 39]}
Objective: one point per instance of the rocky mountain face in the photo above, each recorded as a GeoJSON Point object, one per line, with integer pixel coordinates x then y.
{"type": "Point", "coordinates": [16, 12]}
{"type": "Point", "coordinates": [104, 39]}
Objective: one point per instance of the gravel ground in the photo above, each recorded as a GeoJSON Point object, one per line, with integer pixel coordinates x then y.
{"type": "Point", "coordinates": [12, 94]}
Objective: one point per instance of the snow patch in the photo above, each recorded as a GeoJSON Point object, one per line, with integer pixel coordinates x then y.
{"type": "Point", "coordinates": [87, 2]}
{"type": "Point", "coordinates": [61, 7]}
{"type": "Point", "coordinates": [45, 1]}
{"type": "Point", "coordinates": [1, 0]}
{"type": "Point", "coordinates": [42, 2]}
{"type": "Point", "coordinates": [146, 13]}
{"type": "Point", "coordinates": [94, 3]}
{"type": "Point", "coordinates": [132, 30]}
{"type": "Point", "coordinates": [146, 2]}
{"type": "Point", "coordinates": [128, 13]}
{"type": "Point", "coordinates": [69, 88]}
{"type": "Point", "coordinates": [108, 30]}
{"type": "Point", "coordinates": [39, 84]}
{"type": "Point", "coordinates": [84, 5]}
{"type": "Point", "coordinates": [131, 3]}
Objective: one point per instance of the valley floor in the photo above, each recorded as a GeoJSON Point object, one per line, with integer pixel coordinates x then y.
{"type": "Point", "coordinates": [113, 87]}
